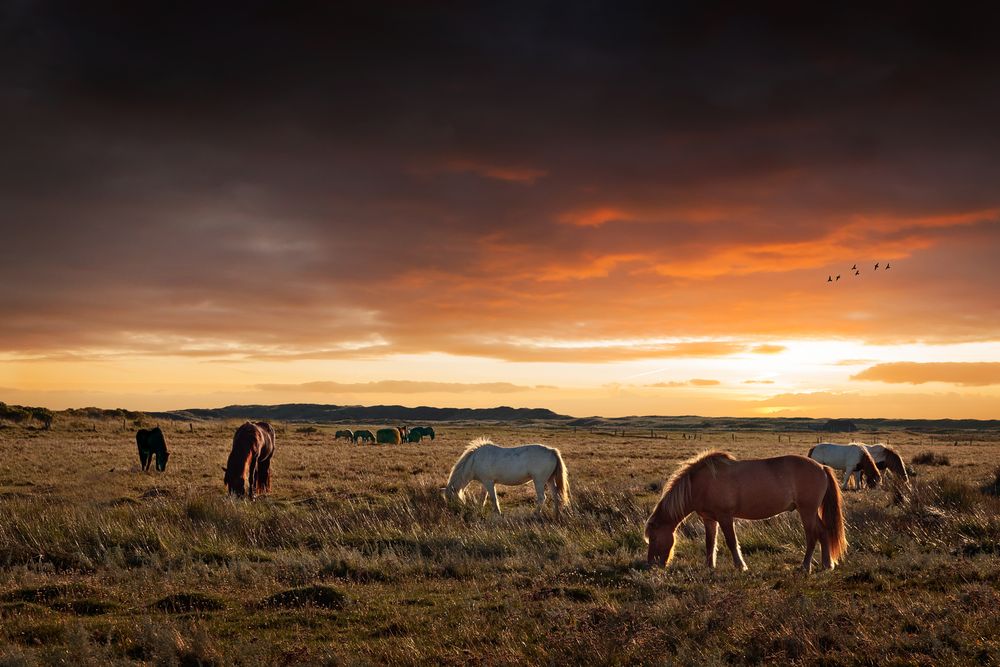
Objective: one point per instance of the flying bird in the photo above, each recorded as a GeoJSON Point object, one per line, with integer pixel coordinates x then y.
{"type": "Point", "coordinates": [857, 273]}
{"type": "Point", "coordinates": [854, 268]}
{"type": "Point", "coordinates": [829, 279]}
{"type": "Point", "coordinates": [876, 266]}
{"type": "Point", "coordinates": [838, 276]}
{"type": "Point", "coordinates": [887, 267]}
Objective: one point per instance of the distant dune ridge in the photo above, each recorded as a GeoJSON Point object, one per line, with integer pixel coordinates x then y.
{"type": "Point", "coordinates": [360, 413]}
{"type": "Point", "coordinates": [311, 412]}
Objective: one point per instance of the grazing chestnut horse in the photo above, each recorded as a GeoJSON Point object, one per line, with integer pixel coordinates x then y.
{"type": "Point", "coordinates": [150, 441]}
{"type": "Point", "coordinates": [250, 460]}
{"type": "Point", "coordinates": [720, 488]}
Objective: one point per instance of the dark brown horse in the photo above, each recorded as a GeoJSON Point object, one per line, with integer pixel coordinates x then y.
{"type": "Point", "coordinates": [250, 460]}
{"type": "Point", "coordinates": [150, 442]}
{"type": "Point", "coordinates": [720, 489]}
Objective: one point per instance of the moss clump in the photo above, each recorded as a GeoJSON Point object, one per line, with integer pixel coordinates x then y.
{"type": "Point", "coordinates": [325, 597]}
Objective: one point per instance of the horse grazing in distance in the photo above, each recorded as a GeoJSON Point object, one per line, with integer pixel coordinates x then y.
{"type": "Point", "coordinates": [248, 471]}
{"type": "Point", "coordinates": [404, 432]}
{"type": "Point", "coordinates": [364, 435]}
{"type": "Point", "coordinates": [346, 433]}
{"type": "Point", "coordinates": [415, 435]}
{"type": "Point", "coordinates": [720, 489]}
{"type": "Point", "coordinates": [886, 458]}
{"type": "Point", "coordinates": [854, 460]}
{"type": "Point", "coordinates": [389, 436]}
{"type": "Point", "coordinates": [423, 431]}
{"type": "Point", "coordinates": [151, 442]}
{"type": "Point", "coordinates": [491, 465]}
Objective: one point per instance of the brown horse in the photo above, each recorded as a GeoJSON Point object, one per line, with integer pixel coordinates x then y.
{"type": "Point", "coordinates": [250, 460]}
{"type": "Point", "coordinates": [720, 488]}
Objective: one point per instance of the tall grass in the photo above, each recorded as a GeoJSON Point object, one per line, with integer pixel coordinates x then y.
{"type": "Point", "coordinates": [356, 558]}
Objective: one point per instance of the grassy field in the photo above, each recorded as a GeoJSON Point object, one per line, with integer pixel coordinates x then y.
{"type": "Point", "coordinates": [354, 558]}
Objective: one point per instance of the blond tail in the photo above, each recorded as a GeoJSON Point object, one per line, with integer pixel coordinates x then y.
{"type": "Point", "coordinates": [833, 517]}
{"type": "Point", "coordinates": [560, 477]}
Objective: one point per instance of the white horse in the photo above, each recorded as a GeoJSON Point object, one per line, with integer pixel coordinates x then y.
{"type": "Point", "coordinates": [886, 457]}
{"type": "Point", "coordinates": [852, 459]}
{"type": "Point", "coordinates": [492, 465]}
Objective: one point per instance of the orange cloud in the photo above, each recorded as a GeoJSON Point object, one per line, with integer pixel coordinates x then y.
{"type": "Point", "coordinates": [768, 349]}
{"type": "Point", "coordinates": [594, 217]}
{"type": "Point", "coordinates": [510, 173]}
{"type": "Point", "coordinates": [694, 382]}
{"type": "Point", "coordinates": [596, 267]}
{"type": "Point", "coordinates": [966, 374]}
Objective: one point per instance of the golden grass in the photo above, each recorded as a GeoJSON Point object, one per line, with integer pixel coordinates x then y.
{"type": "Point", "coordinates": [355, 558]}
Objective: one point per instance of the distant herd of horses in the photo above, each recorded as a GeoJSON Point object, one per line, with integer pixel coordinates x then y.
{"type": "Point", "coordinates": [393, 435]}
{"type": "Point", "coordinates": [714, 485]}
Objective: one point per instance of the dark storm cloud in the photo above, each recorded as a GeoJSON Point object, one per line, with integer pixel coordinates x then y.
{"type": "Point", "coordinates": [299, 177]}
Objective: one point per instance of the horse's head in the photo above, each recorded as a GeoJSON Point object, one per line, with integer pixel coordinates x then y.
{"type": "Point", "coordinates": [871, 476]}
{"type": "Point", "coordinates": [449, 493]}
{"type": "Point", "coordinates": [661, 545]}
{"type": "Point", "coordinates": [161, 460]}
{"type": "Point", "coordinates": [235, 483]}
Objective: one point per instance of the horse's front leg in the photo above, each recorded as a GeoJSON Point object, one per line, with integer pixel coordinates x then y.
{"type": "Point", "coordinates": [252, 477]}
{"type": "Point", "coordinates": [711, 531]}
{"type": "Point", "coordinates": [734, 546]}
{"type": "Point", "coordinates": [491, 491]}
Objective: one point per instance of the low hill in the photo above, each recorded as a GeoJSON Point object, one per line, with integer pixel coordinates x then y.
{"type": "Point", "coordinates": [311, 412]}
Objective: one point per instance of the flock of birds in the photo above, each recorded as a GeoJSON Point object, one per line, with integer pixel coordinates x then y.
{"type": "Point", "coordinates": [857, 272]}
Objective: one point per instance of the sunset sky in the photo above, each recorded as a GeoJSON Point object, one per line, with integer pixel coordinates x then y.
{"type": "Point", "coordinates": [590, 207]}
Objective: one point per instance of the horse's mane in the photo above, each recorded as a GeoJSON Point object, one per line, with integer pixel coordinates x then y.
{"type": "Point", "coordinates": [894, 461]}
{"type": "Point", "coordinates": [465, 459]}
{"type": "Point", "coordinates": [871, 469]}
{"type": "Point", "coordinates": [243, 441]}
{"type": "Point", "coordinates": [676, 496]}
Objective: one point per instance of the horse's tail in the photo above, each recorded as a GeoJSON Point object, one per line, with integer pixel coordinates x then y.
{"type": "Point", "coordinates": [833, 517]}
{"type": "Point", "coordinates": [560, 477]}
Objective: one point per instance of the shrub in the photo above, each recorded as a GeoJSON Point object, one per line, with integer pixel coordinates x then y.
{"type": "Point", "coordinates": [931, 459]}
{"type": "Point", "coordinates": [954, 494]}
{"type": "Point", "coordinates": [993, 488]}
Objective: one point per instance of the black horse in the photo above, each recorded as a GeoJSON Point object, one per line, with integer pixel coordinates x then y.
{"type": "Point", "coordinates": [424, 431]}
{"type": "Point", "coordinates": [151, 442]}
